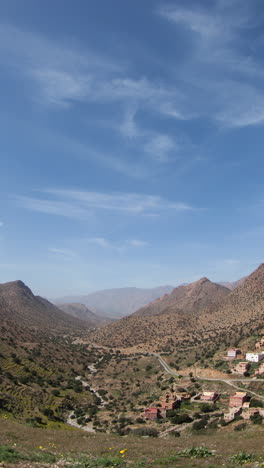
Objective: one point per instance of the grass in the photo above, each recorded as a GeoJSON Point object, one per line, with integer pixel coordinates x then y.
{"type": "Point", "coordinates": [21, 441]}
{"type": "Point", "coordinates": [10, 454]}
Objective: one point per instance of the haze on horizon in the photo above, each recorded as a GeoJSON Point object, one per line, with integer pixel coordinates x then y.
{"type": "Point", "coordinates": [131, 138]}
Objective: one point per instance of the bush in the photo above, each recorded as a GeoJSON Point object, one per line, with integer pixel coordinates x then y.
{"type": "Point", "coordinates": [140, 421]}
{"type": "Point", "coordinates": [196, 452]}
{"type": "Point", "coordinates": [241, 458]}
{"type": "Point", "coordinates": [256, 419]}
{"type": "Point", "coordinates": [145, 431]}
{"type": "Point", "coordinates": [207, 408]}
{"type": "Point", "coordinates": [240, 427]}
{"type": "Point", "coordinates": [198, 425]}
{"type": "Point", "coordinates": [181, 418]}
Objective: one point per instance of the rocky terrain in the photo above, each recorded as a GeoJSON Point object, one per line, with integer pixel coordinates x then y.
{"type": "Point", "coordinates": [82, 312]}
{"type": "Point", "coordinates": [207, 317]}
{"type": "Point", "coordinates": [18, 305]}
{"type": "Point", "coordinates": [189, 299]}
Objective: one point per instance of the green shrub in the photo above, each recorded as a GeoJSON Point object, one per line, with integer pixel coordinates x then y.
{"type": "Point", "coordinates": [241, 458]}
{"type": "Point", "coordinates": [145, 431]}
{"type": "Point", "coordinates": [196, 452]}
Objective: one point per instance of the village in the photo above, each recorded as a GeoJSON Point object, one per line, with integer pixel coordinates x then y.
{"type": "Point", "coordinates": [241, 404]}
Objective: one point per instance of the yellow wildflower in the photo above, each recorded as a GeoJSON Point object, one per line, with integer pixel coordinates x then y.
{"type": "Point", "coordinates": [123, 451]}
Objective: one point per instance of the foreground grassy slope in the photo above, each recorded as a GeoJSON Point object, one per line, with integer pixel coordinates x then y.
{"type": "Point", "coordinates": [154, 453]}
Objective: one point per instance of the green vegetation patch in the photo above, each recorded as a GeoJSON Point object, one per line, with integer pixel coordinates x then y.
{"type": "Point", "coordinates": [196, 452]}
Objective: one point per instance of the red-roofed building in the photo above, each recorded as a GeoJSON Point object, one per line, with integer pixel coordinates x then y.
{"type": "Point", "coordinates": [238, 399]}
{"type": "Point", "coordinates": [151, 413]}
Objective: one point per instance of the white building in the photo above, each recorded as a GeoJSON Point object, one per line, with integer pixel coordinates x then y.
{"type": "Point", "coordinates": [232, 353]}
{"type": "Point", "coordinates": [254, 357]}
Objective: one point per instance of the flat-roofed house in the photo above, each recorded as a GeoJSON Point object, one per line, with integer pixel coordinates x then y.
{"type": "Point", "coordinates": [209, 396]}
{"type": "Point", "coordinates": [232, 353]}
{"type": "Point", "coordinates": [169, 401]}
{"type": "Point", "coordinates": [232, 414]}
{"type": "Point", "coordinates": [240, 368]}
{"type": "Point", "coordinates": [238, 399]}
{"type": "Point", "coordinates": [248, 412]}
{"type": "Point", "coordinates": [254, 357]}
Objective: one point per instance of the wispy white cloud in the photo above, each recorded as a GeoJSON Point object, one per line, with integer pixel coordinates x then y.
{"type": "Point", "coordinates": [62, 252]}
{"type": "Point", "coordinates": [64, 74]}
{"type": "Point", "coordinates": [120, 247]}
{"type": "Point", "coordinates": [138, 243]}
{"type": "Point", "coordinates": [160, 146]}
{"type": "Point", "coordinates": [155, 144]}
{"type": "Point", "coordinates": [101, 241]}
{"type": "Point", "coordinates": [61, 88]}
{"type": "Point", "coordinates": [78, 204]}
{"type": "Point", "coordinates": [54, 207]}
{"type": "Point", "coordinates": [223, 83]}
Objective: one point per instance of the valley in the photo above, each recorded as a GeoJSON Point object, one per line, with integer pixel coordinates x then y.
{"type": "Point", "coordinates": [169, 371]}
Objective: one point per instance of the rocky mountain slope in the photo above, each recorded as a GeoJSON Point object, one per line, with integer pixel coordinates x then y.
{"type": "Point", "coordinates": [220, 315]}
{"type": "Point", "coordinates": [118, 302]}
{"type": "Point", "coordinates": [19, 306]}
{"type": "Point", "coordinates": [189, 299]}
{"type": "Point", "coordinates": [82, 312]}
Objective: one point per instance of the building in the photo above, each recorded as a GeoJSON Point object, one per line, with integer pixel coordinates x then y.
{"type": "Point", "coordinates": [254, 357]}
{"type": "Point", "coordinates": [151, 413]}
{"type": "Point", "coordinates": [260, 370]}
{"type": "Point", "coordinates": [183, 396]}
{"type": "Point", "coordinates": [248, 412]}
{"type": "Point", "coordinates": [240, 368]}
{"type": "Point", "coordinates": [232, 353]}
{"type": "Point", "coordinates": [238, 399]}
{"type": "Point", "coordinates": [209, 396]}
{"type": "Point", "coordinates": [233, 414]}
{"type": "Point", "coordinates": [169, 401]}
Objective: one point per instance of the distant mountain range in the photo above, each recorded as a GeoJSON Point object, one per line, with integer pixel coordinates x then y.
{"type": "Point", "coordinates": [116, 303]}
{"type": "Point", "coordinates": [192, 314]}
{"type": "Point", "coordinates": [82, 312]}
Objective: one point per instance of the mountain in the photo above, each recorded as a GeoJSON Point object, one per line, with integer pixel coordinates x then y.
{"type": "Point", "coordinates": [82, 312]}
{"type": "Point", "coordinates": [19, 306]}
{"type": "Point", "coordinates": [118, 302]}
{"type": "Point", "coordinates": [192, 315]}
{"type": "Point", "coordinates": [234, 284]}
{"type": "Point", "coordinates": [188, 299]}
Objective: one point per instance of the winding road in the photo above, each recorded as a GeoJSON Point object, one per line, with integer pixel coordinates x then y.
{"type": "Point", "coordinates": [227, 381]}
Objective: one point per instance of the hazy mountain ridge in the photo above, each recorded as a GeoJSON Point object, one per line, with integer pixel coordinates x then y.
{"type": "Point", "coordinates": [117, 302]}
{"type": "Point", "coordinates": [82, 312]}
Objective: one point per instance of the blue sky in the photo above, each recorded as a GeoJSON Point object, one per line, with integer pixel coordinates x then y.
{"type": "Point", "coordinates": [131, 142]}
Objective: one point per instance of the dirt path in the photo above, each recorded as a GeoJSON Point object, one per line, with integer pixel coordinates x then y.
{"type": "Point", "coordinates": [227, 381]}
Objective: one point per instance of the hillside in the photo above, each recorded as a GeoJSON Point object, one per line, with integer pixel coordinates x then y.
{"type": "Point", "coordinates": [19, 306]}
{"type": "Point", "coordinates": [189, 299]}
{"type": "Point", "coordinates": [118, 302]}
{"type": "Point", "coordinates": [82, 312]}
{"type": "Point", "coordinates": [239, 312]}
